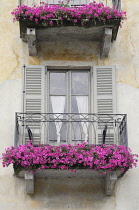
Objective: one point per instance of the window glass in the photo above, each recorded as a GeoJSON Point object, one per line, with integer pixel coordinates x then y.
{"type": "Point", "coordinates": [57, 83]}
{"type": "Point", "coordinates": [79, 104]}
{"type": "Point", "coordinates": [80, 83]}
{"type": "Point", "coordinates": [69, 93]}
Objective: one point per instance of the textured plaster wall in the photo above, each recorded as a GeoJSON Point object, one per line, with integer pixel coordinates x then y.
{"type": "Point", "coordinates": [68, 193]}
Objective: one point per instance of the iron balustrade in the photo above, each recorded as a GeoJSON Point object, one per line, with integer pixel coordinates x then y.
{"type": "Point", "coordinates": [64, 128]}
{"type": "Point", "coordinates": [115, 3]}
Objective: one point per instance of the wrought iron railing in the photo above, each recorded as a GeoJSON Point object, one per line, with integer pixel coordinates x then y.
{"type": "Point", "coordinates": [64, 128]}
{"type": "Point", "coordinates": [115, 3]}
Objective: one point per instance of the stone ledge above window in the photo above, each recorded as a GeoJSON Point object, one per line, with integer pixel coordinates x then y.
{"type": "Point", "coordinates": [105, 34]}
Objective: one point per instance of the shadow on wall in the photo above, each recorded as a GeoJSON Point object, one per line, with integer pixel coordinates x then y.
{"type": "Point", "coordinates": [71, 193]}
{"type": "Point", "coordinates": [68, 51]}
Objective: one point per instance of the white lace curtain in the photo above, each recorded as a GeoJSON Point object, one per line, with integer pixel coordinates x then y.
{"type": "Point", "coordinates": [58, 105]}
{"type": "Point", "coordinates": [82, 103]}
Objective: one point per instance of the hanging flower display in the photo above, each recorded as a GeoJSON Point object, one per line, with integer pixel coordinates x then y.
{"type": "Point", "coordinates": [48, 15]}
{"type": "Point", "coordinates": [105, 158]}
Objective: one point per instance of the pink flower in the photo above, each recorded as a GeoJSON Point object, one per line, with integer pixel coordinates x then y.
{"type": "Point", "coordinates": [75, 20]}
{"type": "Point", "coordinates": [48, 12]}
{"type": "Point", "coordinates": [40, 157]}
{"type": "Point", "coordinates": [51, 23]}
{"type": "Point", "coordinates": [96, 15]}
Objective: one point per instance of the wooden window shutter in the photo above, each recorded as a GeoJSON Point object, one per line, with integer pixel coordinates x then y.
{"type": "Point", "coordinates": [105, 99]}
{"type": "Point", "coordinates": [33, 100]}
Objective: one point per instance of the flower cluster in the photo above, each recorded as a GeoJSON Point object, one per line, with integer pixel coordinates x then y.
{"type": "Point", "coordinates": [81, 156]}
{"type": "Point", "coordinates": [46, 13]}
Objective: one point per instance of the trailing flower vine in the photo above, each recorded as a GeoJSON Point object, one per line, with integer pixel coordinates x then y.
{"type": "Point", "coordinates": [47, 14]}
{"type": "Point", "coordinates": [105, 158]}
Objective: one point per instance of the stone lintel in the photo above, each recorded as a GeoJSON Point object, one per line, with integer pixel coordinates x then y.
{"type": "Point", "coordinates": [32, 42]}
{"type": "Point", "coordinates": [29, 182]}
{"type": "Point", "coordinates": [110, 181]}
{"type": "Point", "coordinates": [106, 43]}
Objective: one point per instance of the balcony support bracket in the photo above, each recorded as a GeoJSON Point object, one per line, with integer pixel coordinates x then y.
{"type": "Point", "coordinates": [32, 41]}
{"type": "Point", "coordinates": [110, 181]}
{"type": "Point", "coordinates": [29, 183]}
{"type": "Point", "coordinates": [106, 43]}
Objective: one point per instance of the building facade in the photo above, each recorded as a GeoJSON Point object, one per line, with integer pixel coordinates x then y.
{"type": "Point", "coordinates": [73, 71]}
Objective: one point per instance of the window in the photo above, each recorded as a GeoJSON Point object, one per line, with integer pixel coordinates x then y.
{"type": "Point", "coordinates": [68, 92]}
{"type": "Point", "coordinates": [67, 97]}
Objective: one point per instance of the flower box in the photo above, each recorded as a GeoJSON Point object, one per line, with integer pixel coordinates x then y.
{"type": "Point", "coordinates": [29, 160]}
{"type": "Point", "coordinates": [104, 21]}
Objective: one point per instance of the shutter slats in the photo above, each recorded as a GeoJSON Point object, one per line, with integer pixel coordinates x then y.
{"type": "Point", "coordinates": [104, 100]}
{"type": "Point", "coordinates": [34, 100]}
{"type": "Point", "coordinates": [104, 87]}
{"type": "Point", "coordinates": [33, 81]}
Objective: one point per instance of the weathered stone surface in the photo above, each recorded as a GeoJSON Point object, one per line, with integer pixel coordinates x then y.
{"type": "Point", "coordinates": [67, 193]}
{"type": "Point", "coordinates": [29, 183]}
{"type": "Point", "coordinates": [32, 42]}
{"type": "Point", "coordinates": [110, 181]}
{"type": "Point", "coordinates": [106, 43]}
{"type": "Point", "coordinates": [109, 178]}
{"type": "Point", "coordinates": [105, 34]}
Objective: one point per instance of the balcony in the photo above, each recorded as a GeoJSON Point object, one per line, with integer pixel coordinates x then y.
{"type": "Point", "coordinates": [98, 31]}
{"type": "Point", "coordinates": [65, 128]}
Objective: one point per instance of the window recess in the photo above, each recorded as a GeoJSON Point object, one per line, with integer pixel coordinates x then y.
{"type": "Point", "coordinates": [70, 105]}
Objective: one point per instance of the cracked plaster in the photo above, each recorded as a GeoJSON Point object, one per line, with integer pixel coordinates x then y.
{"type": "Point", "coordinates": [124, 54]}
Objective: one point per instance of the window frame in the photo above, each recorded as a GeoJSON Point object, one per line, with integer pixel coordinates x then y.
{"type": "Point", "coordinates": [69, 87]}
{"type": "Point", "coordinates": [31, 69]}
{"type": "Point", "coordinates": [68, 72]}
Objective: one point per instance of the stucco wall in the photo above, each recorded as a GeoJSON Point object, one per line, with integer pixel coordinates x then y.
{"type": "Point", "coordinates": [69, 193]}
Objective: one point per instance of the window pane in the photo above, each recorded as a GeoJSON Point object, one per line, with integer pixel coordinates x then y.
{"type": "Point", "coordinates": [80, 131]}
{"type": "Point", "coordinates": [79, 104]}
{"type": "Point", "coordinates": [57, 83]}
{"type": "Point", "coordinates": [80, 83]}
{"type": "Point", "coordinates": [54, 135]}
{"type": "Point", "coordinates": [57, 104]}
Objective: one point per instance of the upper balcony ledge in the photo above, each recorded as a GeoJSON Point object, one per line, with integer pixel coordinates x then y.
{"type": "Point", "coordinates": [100, 31]}
{"type": "Point", "coordinates": [83, 21]}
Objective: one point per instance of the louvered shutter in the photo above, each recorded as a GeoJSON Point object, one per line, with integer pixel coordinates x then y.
{"type": "Point", "coordinates": [105, 102]}
{"type": "Point", "coordinates": [33, 104]}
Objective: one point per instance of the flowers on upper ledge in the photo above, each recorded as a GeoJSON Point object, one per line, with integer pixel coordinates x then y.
{"type": "Point", "coordinates": [105, 158]}
{"type": "Point", "coordinates": [48, 14]}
